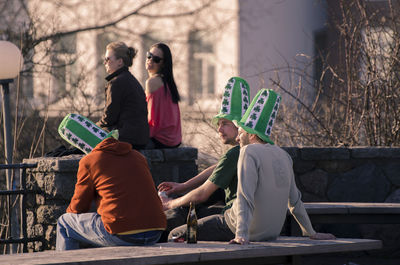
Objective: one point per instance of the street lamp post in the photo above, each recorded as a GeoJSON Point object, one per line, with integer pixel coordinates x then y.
{"type": "Point", "coordinates": [10, 65]}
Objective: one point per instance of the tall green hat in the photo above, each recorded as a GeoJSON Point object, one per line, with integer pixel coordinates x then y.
{"type": "Point", "coordinates": [235, 100]}
{"type": "Point", "coordinates": [260, 116]}
{"type": "Point", "coordinates": [82, 133]}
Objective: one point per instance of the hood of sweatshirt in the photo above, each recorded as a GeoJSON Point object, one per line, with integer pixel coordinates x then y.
{"type": "Point", "coordinates": [113, 146]}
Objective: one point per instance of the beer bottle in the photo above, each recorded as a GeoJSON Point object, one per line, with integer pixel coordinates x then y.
{"type": "Point", "coordinates": [191, 232]}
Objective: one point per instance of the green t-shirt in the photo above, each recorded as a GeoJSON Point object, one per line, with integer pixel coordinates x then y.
{"type": "Point", "coordinates": [225, 174]}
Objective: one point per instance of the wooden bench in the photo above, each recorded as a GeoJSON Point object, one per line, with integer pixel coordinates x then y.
{"type": "Point", "coordinates": [349, 213]}
{"type": "Point", "coordinates": [284, 250]}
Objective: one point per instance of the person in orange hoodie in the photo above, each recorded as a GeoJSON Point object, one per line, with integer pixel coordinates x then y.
{"type": "Point", "coordinates": [129, 211]}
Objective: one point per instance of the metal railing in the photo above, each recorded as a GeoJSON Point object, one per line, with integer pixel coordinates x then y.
{"type": "Point", "coordinates": [22, 192]}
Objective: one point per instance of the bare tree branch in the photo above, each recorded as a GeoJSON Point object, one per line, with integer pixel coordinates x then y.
{"type": "Point", "coordinates": [118, 20]}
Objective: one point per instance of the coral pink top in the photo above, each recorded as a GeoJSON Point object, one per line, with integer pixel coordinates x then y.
{"type": "Point", "coordinates": [164, 117]}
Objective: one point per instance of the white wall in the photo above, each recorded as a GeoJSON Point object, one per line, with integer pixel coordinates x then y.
{"type": "Point", "coordinates": [273, 35]}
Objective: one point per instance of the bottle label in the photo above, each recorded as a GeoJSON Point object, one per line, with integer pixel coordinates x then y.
{"type": "Point", "coordinates": [192, 235]}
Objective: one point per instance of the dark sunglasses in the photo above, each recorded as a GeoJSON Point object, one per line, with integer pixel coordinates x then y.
{"type": "Point", "coordinates": [155, 58]}
{"type": "Point", "coordinates": [107, 59]}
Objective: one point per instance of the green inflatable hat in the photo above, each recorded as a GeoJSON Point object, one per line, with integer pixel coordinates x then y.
{"type": "Point", "coordinates": [261, 114]}
{"type": "Point", "coordinates": [82, 133]}
{"type": "Point", "coordinates": [235, 100]}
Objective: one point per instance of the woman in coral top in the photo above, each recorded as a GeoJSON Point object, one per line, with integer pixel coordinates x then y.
{"type": "Point", "coordinates": [162, 99]}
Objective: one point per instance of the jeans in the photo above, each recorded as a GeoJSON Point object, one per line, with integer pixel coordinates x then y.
{"type": "Point", "coordinates": [210, 228]}
{"type": "Point", "coordinates": [88, 229]}
{"type": "Point", "coordinates": [178, 216]}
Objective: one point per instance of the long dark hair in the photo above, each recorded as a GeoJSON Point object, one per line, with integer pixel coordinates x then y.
{"type": "Point", "coordinates": [166, 72]}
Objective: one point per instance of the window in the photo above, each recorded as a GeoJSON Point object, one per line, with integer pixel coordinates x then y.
{"type": "Point", "coordinates": [62, 65]}
{"type": "Point", "coordinates": [378, 52]}
{"type": "Point", "coordinates": [201, 66]}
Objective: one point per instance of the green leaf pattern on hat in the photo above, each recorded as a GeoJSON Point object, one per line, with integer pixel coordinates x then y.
{"type": "Point", "coordinates": [75, 139]}
{"type": "Point", "coordinates": [226, 100]}
{"type": "Point", "coordinates": [235, 100]}
{"type": "Point", "coordinates": [93, 129]}
{"type": "Point", "coordinates": [273, 116]}
{"type": "Point", "coordinates": [261, 114]}
{"type": "Point", "coordinates": [245, 98]}
{"type": "Point", "coordinates": [255, 113]}
{"type": "Point", "coordinates": [81, 132]}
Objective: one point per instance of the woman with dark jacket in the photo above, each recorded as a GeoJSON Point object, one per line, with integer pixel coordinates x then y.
{"type": "Point", "coordinates": [125, 102]}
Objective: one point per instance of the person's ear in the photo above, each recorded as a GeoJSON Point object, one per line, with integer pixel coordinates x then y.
{"type": "Point", "coordinates": [253, 137]}
{"type": "Point", "coordinates": [121, 62]}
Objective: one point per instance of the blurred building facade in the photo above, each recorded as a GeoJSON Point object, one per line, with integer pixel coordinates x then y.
{"type": "Point", "coordinates": [256, 40]}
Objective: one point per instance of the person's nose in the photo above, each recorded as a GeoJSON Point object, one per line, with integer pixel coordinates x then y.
{"type": "Point", "coordinates": [220, 130]}
{"type": "Point", "coordinates": [237, 139]}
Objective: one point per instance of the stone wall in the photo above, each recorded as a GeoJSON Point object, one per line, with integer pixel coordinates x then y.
{"type": "Point", "coordinates": [54, 178]}
{"type": "Point", "coordinates": [347, 174]}
{"type": "Point", "coordinates": [352, 175]}
{"type": "Point", "coordinates": [322, 174]}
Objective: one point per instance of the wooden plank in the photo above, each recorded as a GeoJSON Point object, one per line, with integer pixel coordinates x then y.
{"type": "Point", "coordinates": [349, 213]}
{"type": "Point", "coordinates": [269, 252]}
{"type": "Point", "coordinates": [352, 207]}
{"type": "Point", "coordinates": [353, 219]}
{"type": "Point", "coordinates": [341, 212]}
{"type": "Point", "coordinates": [319, 208]}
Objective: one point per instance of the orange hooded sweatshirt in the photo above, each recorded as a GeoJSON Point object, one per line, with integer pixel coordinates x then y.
{"type": "Point", "coordinates": [119, 180]}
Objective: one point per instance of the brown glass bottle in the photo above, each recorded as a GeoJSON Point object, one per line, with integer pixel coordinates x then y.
{"type": "Point", "coordinates": [191, 232]}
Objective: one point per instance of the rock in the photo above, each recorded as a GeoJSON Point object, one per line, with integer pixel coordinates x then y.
{"type": "Point", "coordinates": [394, 197]}
{"type": "Point", "coordinates": [50, 237]}
{"type": "Point", "coordinates": [48, 214]}
{"type": "Point", "coordinates": [366, 183]}
{"type": "Point", "coordinates": [309, 197]}
{"type": "Point", "coordinates": [301, 166]}
{"type": "Point", "coordinates": [315, 182]}
{"type": "Point", "coordinates": [180, 154]}
{"type": "Point", "coordinates": [60, 186]}
{"type": "Point", "coordinates": [38, 230]}
{"type": "Point", "coordinates": [392, 171]}
{"type": "Point", "coordinates": [335, 166]}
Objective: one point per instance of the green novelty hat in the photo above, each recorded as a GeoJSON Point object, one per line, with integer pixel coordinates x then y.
{"type": "Point", "coordinates": [260, 116]}
{"type": "Point", "coordinates": [82, 133]}
{"type": "Point", "coordinates": [235, 100]}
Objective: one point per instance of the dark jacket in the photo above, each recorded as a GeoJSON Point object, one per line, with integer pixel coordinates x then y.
{"type": "Point", "coordinates": [126, 108]}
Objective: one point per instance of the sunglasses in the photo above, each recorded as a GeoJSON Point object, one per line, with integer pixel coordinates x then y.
{"type": "Point", "coordinates": [155, 58]}
{"type": "Point", "coordinates": [107, 59]}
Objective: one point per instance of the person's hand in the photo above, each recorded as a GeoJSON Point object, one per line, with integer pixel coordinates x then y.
{"type": "Point", "coordinates": [322, 236]}
{"type": "Point", "coordinates": [170, 187]}
{"type": "Point", "coordinates": [240, 241]}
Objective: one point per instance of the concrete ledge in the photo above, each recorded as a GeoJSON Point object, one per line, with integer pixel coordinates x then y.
{"type": "Point", "coordinates": [201, 253]}
{"type": "Point", "coordinates": [55, 164]}
{"type": "Point", "coordinates": [375, 152]}
{"type": "Point", "coordinates": [324, 153]}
